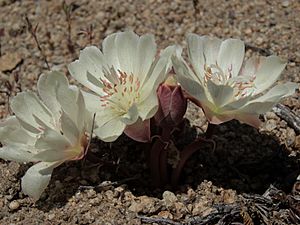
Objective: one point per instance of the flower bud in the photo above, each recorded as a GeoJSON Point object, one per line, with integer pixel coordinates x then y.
{"type": "Point", "coordinates": [172, 105]}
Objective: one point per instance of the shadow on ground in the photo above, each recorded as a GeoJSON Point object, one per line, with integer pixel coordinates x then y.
{"type": "Point", "coordinates": [244, 160]}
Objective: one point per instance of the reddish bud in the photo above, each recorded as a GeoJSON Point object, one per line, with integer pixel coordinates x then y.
{"type": "Point", "coordinates": [172, 106]}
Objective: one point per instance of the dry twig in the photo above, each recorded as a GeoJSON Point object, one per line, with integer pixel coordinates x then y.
{"type": "Point", "coordinates": [32, 30]}
{"type": "Point", "coordinates": [288, 115]}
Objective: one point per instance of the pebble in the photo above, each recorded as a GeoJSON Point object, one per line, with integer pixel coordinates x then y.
{"type": "Point", "coordinates": [285, 4]}
{"type": "Point", "coordinates": [51, 216]}
{"type": "Point", "coordinates": [169, 198]}
{"type": "Point", "coordinates": [290, 137]}
{"type": "Point", "coordinates": [14, 205]}
{"type": "Point", "coordinates": [270, 125]}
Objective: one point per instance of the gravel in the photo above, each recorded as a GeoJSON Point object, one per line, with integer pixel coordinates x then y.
{"type": "Point", "coordinates": [245, 161]}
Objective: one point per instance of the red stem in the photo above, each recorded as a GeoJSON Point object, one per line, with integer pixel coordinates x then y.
{"type": "Point", "coordinates": [188, 151]}
{"type": "Point", "coordinates": [158, 159]}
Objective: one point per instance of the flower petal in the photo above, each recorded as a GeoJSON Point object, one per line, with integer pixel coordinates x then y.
{"type": "Point", "coordinates": [69, 128]}
{"type": "Point", "coordinates": [249, 119]}
{"type": "Point", "coordinates": [111, 130]}
{"type": "Point", "coordinates": [11, 132]}
{"type": "Point", "coordinates": [158, 71]}
{"type": "Point", "coordinates": [278, 92]}
{"type": "Point", "coordinates": [148, 107]}
{"type": "Point", "coordinates": [139, 131]}
{"type": "Point", "coordinates": [187, 81]}
{"type": "Point", "coordinates": [126, 44]}
{"type": "Point", "coordinates": [27, 106]}
{"type": "Point", "coordinates": [251, 66]}
{"type": "Point", "coordinates": [145, 56]}
{"type": "Point", "coordinates": [110, 51]}
{"type": "Point", "coordinates": [231, 56]}
{"type": "Point", "coordinates": [131, 116]}
{"type": "Point", "coordinates": [17, 152]}
{"type": "Point", "coordinates": [55, 144]}
{"type": "Point", "coordinates": [196, 53]}
{"type": "Point", "coordinates": [37, 179]}
{"type": "Point", "coordinates": [211, 48]}
{"type": "Point", "coordinates": [91, 63]}
{"type": "Point", "coordinates": [267, 101]}
{"type": "Point", "coordinates": [268, 73]}
{"type": "Point", "coordinates": [47, 85]}
{"type": "Point", "coordinates": [92, 102]}
{"type": "Point", "coordinates": [221, 94]}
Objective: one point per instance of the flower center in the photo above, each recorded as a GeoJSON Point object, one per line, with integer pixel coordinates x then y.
{"type": "Point", "coordinates": [243, 85]}
{"type": "Point", "coordinates": [121, 95]}
{"type": "Point", "coordinates": [79, 150]}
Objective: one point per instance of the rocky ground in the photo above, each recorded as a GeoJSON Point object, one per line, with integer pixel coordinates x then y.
{"type": "Point", "coordinates": [251, 176]}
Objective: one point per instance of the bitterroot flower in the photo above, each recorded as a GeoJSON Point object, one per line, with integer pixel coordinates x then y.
{"type": "Point", "coordinates": [124, 78]}
{"type": "Point", "coordinates": [48, 130]}
{"type": "Point", "coordinates": [224, 85]}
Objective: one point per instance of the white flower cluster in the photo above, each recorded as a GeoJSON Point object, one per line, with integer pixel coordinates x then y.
{"type": "Point", "coordinates": [124, 77]}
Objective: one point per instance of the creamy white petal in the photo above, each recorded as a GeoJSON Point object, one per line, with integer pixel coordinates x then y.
{"type": "Point", "coordinates": [110, 51]}
{"type": "Point", "coordinates": [257, 107]}
{"type": "Point", "coordinates": [145, 56]}
{"type": "Point", "coordinates": [131, 116]}
{"type": "Point", "coordinates": [211, 48]}
{"type": "Point", "coordinates": [196, 53]}
{"type": "Point", "coordinates": [91, 63]}
{"type": "Point", "coordinates": [92, 102]}
{"type": "Point", "coordinates": [47, 85]}
{"type": "Point", "coordinates": [17, 152]}
{"type": "Point", "coordinates": [12, 132]}
{"type": "Point", "coordinates": [69, 128]}
{"type": "Point", "coordinates": [268, 73]}
{"type": "Point", "coordinates": [278, 92]}
{"type": "Point", "coordinates": [126, 43]}
{"type": "Point", "coordinates": [27, 106]}
{"type": "Point", "coordinates": [52, 140]}
{"type": "Point", "coordinates": [231, 56]}
{"type": "Point", "coordinates": [67, 99]}
{"type": "Point", "coordinates": [37, 179]}
{"type": "Point", "coordinates": [221, 94]}
{"type": "Point", "coordinates": [157, 76]}
{"type": "Point", "coordinates": [158, 72]}
{"type": "Point", "coordinates": [251, 66]}
{"type": "Point", "coordinates": [185, 78]}
{"type": "Point", "coordinates": [83, 113]}
{"type": "Point", "coordinates": [161, 66]}
{"type": "Point", "coordinates": [111, 130]}
{"type": "Point", "coordinates": [148, 107]}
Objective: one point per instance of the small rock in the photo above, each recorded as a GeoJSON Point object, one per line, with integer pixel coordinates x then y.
{"type": "Point", "coordinates": [290, 137]}
{"type": "Point", "coordinates": [270, 125]}
{"type": "Point", "coordinates": [165, 214]}
{"type": "Point", "coordinates": [259, 41]}
{"type": "Point", "coordinates": [200, 207]}
{"type": "Point", "coordinates": [51, 216]}
{"type": "Point", "coordinates": [169, 198]}
{"type": "Point", "coordinates": [297, 142]}
{"type": "Point", "coordinates": [285, 4]}
{"type": "Point", "coordinates": [9, 61]}
{"type": "Point", "coordinates": [248, 31]}
{"type": "Point", "coordinates": [14, 205]}
{"type": "Point", "coordinates": [271, 115]}
{"type": "Point", "coordinates": [135, 207]}
{"type": "Point", "coordinates": [109, 194]}
{"type": "Point", "coordinates": [229, 196]}
{"type": "Point", "coordinates": [119, 189]}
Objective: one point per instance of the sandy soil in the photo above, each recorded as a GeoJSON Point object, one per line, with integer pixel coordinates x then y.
{"type": "Point", "coordinates": [251, 176]}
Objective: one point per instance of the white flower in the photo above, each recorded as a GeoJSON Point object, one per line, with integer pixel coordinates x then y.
{"type": "Point", "coordinates": [224, 86]}
{"type": "Point", "coordinates": [47, 131]}
{"type": "Point", "coordinates": [124, 78]}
